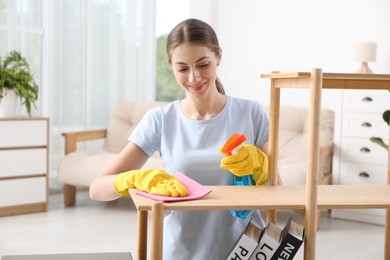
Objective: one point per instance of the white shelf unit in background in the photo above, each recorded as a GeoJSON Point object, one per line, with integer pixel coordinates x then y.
{"type": "Point", "coordinates": [359, 161]}
{"type": "Point", "coordinates": [24, 153]}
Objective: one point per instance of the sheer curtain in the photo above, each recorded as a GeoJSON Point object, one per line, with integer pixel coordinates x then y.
{"type": "Point", "coordinates": [86, 54]}
{"type": "Point", "coordinates": [21, 29]}
{"type": "Point", "coordinates": [102, 50]}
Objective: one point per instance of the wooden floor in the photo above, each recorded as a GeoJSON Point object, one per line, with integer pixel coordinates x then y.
{"type": "Point", "coordinates": [92, 227]}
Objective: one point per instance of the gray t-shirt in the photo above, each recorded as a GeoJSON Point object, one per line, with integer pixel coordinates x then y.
{"type": "Point", "coordinates": [191, 147]}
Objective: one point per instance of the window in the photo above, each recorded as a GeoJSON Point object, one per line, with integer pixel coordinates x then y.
{"type": "Point", "coordinates": [101, 53]}
{"type": "Point", "coordinates": [168, 14]}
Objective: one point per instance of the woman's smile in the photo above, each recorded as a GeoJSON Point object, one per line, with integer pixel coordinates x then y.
{"type": "Point", "coordinates": [197, 87]}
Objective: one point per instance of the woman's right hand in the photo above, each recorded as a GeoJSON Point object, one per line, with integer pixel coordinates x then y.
{"type": "Point", "coordinates": [154, 181]}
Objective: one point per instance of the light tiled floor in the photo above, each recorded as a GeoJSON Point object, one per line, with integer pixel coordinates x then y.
{"type": "Point", "coordinates": [88, 227]}
{"type": "Point", "coordinates": [111, 227]}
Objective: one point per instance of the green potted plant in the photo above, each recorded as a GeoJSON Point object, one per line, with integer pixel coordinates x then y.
{"type": "Point", "coordinates": [16, 77]}
{"type": "Point", "coordinates": [379, 140]}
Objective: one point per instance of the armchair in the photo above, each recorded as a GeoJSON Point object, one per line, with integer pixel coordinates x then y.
{"type": "Point", "coordinates": [79, 168]}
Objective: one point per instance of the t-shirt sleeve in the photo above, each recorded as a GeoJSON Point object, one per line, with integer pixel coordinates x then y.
{"type": "Point", "coordinates": [262, 131]}
{"type": "Point", "coordinates": [147, 134]}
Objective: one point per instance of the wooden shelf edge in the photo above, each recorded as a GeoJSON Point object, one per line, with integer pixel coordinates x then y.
{"type": "Point", "coordinates": [16, 118]}
{"type": "Point", "coordinates": [279, 197]}
{"type": "Point", "coordinates": [279, 75]}
{"type": "Point", "coordinates": [23, 209]}
{"type": "Point", "coordinates": [327, 76]}
{"type": "Point", "coordinates": [353, 196]}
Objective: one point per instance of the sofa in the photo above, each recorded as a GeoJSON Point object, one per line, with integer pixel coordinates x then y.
{"type": "Point", "coordinates": [79, 166]}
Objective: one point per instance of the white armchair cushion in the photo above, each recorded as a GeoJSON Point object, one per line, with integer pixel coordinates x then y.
{"type": "Point", "coordinates": [124, 119]}
{"type": "Point", "coordinates": [79, 168]}
{"type": "Point", "coordinates": [293, 137]}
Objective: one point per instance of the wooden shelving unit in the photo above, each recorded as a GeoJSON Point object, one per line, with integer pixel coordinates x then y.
{"type": "Point", "coordinates": [310, 197]}
{"type": "Point", "coordinates": [351, 197]}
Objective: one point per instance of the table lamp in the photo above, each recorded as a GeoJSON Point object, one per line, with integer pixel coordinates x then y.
{"type": "Point", "coordinates": [365, 52]}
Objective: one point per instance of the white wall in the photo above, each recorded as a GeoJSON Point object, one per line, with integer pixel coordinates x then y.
{"type": "Point", "coordinates": [268, 35]}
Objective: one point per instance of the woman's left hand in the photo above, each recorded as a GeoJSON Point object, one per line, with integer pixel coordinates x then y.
{"type": "Point", "coordinates": [248, 160]}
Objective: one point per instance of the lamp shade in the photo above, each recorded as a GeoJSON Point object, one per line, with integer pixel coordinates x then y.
{"type": "Point", "coordinates": [365, 51]}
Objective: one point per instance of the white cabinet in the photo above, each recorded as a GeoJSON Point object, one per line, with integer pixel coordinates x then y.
{"type": "Point", "coordinates": [357, 160]}
{"type": "Point", "coordinates": [24, 152]}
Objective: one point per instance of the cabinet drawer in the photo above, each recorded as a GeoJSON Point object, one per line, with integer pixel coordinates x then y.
{"type": "Point", "coordinates": [362, 150]}
{"type": "Point", "coordinates": [364, 125]}
{"type": "Point", "coordinates": [23, 162]}
{"type": "Point", "coordinates": [366, 100]}
{"type": "Point", "coordinates": [19, 133]}
{"type": "Point", "coordinates": [362, 173]}
{"type": "Point", "coordinates": [22, 191]}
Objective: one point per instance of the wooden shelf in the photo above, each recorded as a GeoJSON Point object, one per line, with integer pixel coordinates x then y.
{"type": "Point", "coordinates": [264, 198]}
{"type": "Point", "coordinates": [236, 197]}
{"type": "Point", "coordinates": [279, 197]}
{"type": "Point", "coordinates": [310, 197]}
{"type": "Point", "coordinates": [331, 80]}
{"type": "Point", "coordinates": [349, 197]}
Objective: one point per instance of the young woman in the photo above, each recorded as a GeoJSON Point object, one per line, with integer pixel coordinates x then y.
{"type": "Point", "coordinates": [188, 134]}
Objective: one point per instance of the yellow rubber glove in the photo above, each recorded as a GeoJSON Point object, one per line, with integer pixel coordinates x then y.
{"type": "Point", "coordinates": [154, 181]}
{"type": "Point", "coordinates": [249, 159]}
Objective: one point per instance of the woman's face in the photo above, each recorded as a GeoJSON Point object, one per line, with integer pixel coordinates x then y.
{"type": "Point", "coordinates": [195, 68]}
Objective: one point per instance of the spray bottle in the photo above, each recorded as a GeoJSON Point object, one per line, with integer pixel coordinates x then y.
{"type": "Point", "coordinates": [231, 147]}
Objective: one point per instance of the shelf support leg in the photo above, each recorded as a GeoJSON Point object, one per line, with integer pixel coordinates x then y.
{"type": "Point", "coordinates": [157, 230]}
{"type": "Point", "coordinates": [142, 232]}
{"type": "Point", "coordinates": [313, 151]}
{"type": "Point", "coordinates": [274, 110]}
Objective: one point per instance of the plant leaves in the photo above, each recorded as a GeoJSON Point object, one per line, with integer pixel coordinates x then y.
{"type": "Point", "coordinates": [386, 116]}
{"type": "Point", "coordinates": [379, 141]}
{"type": "Point", "coordinates": [15, 75]}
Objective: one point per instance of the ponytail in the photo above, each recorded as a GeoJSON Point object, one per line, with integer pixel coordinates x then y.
{"type": "Point", "coordinates": [220, 87]}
